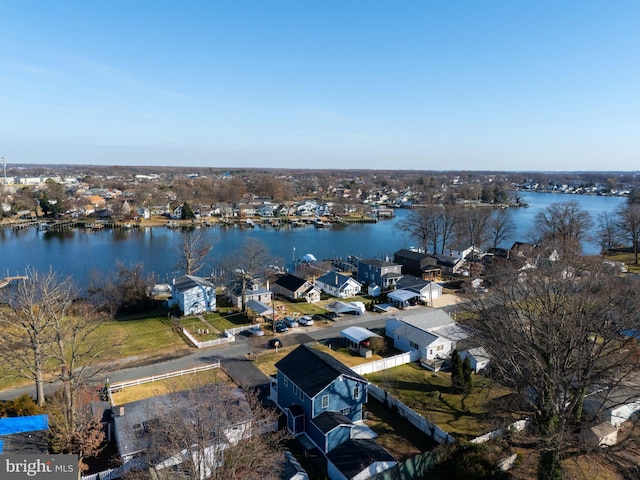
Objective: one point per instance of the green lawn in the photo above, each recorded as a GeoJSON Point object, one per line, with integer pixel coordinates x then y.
{"type": "Point", "coordinates": [226, 320]}
{"type": "Point", "coordinates": [141, 335]}
{"type": "Point", "coordinates": [429, 394]}
{"type": "Point", "coordinates": [628, 258]}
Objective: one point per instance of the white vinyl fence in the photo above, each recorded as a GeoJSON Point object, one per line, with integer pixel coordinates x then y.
{"type": "Point", "coordinates": [385, 363]}
{"type": "Point", "coordinates": [163, 376]}
{"type": "Point", "coordinates": [209, 343]}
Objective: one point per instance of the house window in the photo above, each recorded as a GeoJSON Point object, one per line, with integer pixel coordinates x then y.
{"type": "Point", "coordinates": [356, 392]}
{"type": "Point", "coordinates": [285, 381]}
{"type": "Point", "coordinates": [346, 411]}
{"type": "Point", "coordinates": [413, 345]}
{"type": "Point", "coordinates": [295, 389]}
{"type": "Point", "coordinates": [300, 395]}
{"type": "Point", "coordinates": [440, 347]}
{"type": "Point", "coordinates": [325, 401]}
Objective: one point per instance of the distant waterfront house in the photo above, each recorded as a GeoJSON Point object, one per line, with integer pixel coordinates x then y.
{"type": "Point", "coordinates": [176, 213]}
{"type": "Point", "coordinates": [293, 288]}
{"type": "Point", "coordinates": [193, 295]}
{"type": "Point", "coordinates": [458, 251]}
{"type": "Point", "coordinates": [339, 285]}
{"type": "Point", "coordinates": [449, 265]}
{"type": "Point", "coordinates": [380, 272]}
{"type": "Point", "coordinates": [254, 291]}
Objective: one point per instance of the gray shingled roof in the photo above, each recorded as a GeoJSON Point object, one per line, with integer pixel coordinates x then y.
{"type": "Point", "coordinates": [312, 370]}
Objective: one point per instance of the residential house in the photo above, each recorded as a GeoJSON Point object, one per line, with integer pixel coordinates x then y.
{"type": "Point", "coordinates": [339, 285]}
{"type": "Point", "coordinates": [254, 291]}
{"type": "Point", "coordinates": [323, 405]}
{"type": "Point", "coordinates": [193, 295]}
{"type": "Point", "coordinates": [616, 405]}
{"type": "Point", "coordinates": [414, 263]}
{"type": "Point", "coordinates": [448, 265]}
{"type": "Point", "coordinates": [458, 251]}
{"type": "Point", "coordinates": [433, 334]}
{"type": "Point", "coordinates": [176, 213]}
{"type": "Point", "coordinates": [426, 291]}
{"type": "Point", "coordinates": [293, 287]}
{"type": "Point", "coordinates": [135, 423]}
{"type": "Point", "coordinates": [380, 272]}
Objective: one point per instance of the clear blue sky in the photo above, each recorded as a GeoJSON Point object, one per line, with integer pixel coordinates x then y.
{"type": "Point", "coordinates": [430, 84]}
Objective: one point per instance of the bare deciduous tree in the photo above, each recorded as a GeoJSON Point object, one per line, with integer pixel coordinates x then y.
{"type": "Point", "coordinates": [250, 262]}
{"type": "Point", "coordinates": [33, 307]}
{"type": "Point", "coordinates": [192, 251]}
{"type": "Point", "coordinates": [554, 335]}
{"type": "Point", "coordinates": [500, 227]}
{"type": "Point", "coordinates": [562, 226]}
{"type": "Point", "coordinates": [215, 432]}
{"type": "Point", "coordinates": [629, 225]}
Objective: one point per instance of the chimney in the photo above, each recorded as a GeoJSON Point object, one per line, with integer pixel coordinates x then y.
{"type": "Point", "coordinates": [118, 411]}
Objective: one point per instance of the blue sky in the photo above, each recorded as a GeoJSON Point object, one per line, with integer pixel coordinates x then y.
{"type": "Point", "coordinates": [481, 85]}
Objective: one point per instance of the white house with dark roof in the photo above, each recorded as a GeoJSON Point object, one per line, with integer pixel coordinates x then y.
{"type": "Point", "coordinates": [339, 285]}
{"type": "Point", "coordinates": [193, 295]}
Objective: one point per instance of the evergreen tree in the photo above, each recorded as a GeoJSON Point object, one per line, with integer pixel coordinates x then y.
{"type": "Point", "coordinates": [457, 377]}
{"type": "Point", "coordinates": [187, 212]}
{"type": "Point", "coordinates": [466, 375]}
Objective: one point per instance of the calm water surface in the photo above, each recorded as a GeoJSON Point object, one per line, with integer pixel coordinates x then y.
{"type": "Point", "coordinates": [77, 252]}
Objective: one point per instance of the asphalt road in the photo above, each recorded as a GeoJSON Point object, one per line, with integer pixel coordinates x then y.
{"type": "Point", "coordinates": [232, 356]}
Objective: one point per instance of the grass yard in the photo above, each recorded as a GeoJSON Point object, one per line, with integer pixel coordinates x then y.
{"type": "Point", "coordinates": [266, 361]}
{"type": "Point", "coordinates": [429, 394]}
{"type": "Point", "coordinates": [162, 387]}
{"type": "Point", "coordinates": [627, 258]}
{"type": "Point", "coordinates": [141, 336]}
{"type": "Point", "coordinates": [395, 434]}
{"type": "Point", "coordinates": [346, 355]}
{"type": "Point", "coordinates": [226, 320]}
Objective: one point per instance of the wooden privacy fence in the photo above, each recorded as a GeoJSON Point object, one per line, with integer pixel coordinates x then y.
{"type": "Point", "coordinates": [163, 376]}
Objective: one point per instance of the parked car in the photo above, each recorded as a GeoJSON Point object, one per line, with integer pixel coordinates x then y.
{"type": "Point", "coordinates": [281, 327]}
{"type": "Point", "coordinates": [305, 320]}
{"type": "Point", "coordinates": [275, 343]}
{"type": "Point", "coordinates": [255, 331]}
{"type": "Point", "coordinates": [291, 322]}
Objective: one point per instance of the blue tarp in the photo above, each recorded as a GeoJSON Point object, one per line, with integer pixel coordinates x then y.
{"type": "Point", "coordinates": [32, 423]}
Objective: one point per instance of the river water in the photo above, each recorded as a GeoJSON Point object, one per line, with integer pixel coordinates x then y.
{"type": "Point", "coordinates": [77, 252]}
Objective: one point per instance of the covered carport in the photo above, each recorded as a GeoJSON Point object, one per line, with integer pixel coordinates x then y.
{"type": "Point", "coordinates": [358, 336]}
{"type": "Point", "coordinates": [259, 308]}
{"type": "Point", "coordinates": [355, 308]}
{"type": "Point", "coordinates": [402, 298]}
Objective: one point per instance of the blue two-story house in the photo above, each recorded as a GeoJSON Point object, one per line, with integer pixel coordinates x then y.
{"type": "Point", "coordinates": [320, 396]}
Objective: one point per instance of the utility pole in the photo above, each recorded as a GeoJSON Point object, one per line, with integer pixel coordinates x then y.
{"type": "Point", "coordinates": [4, 167]}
